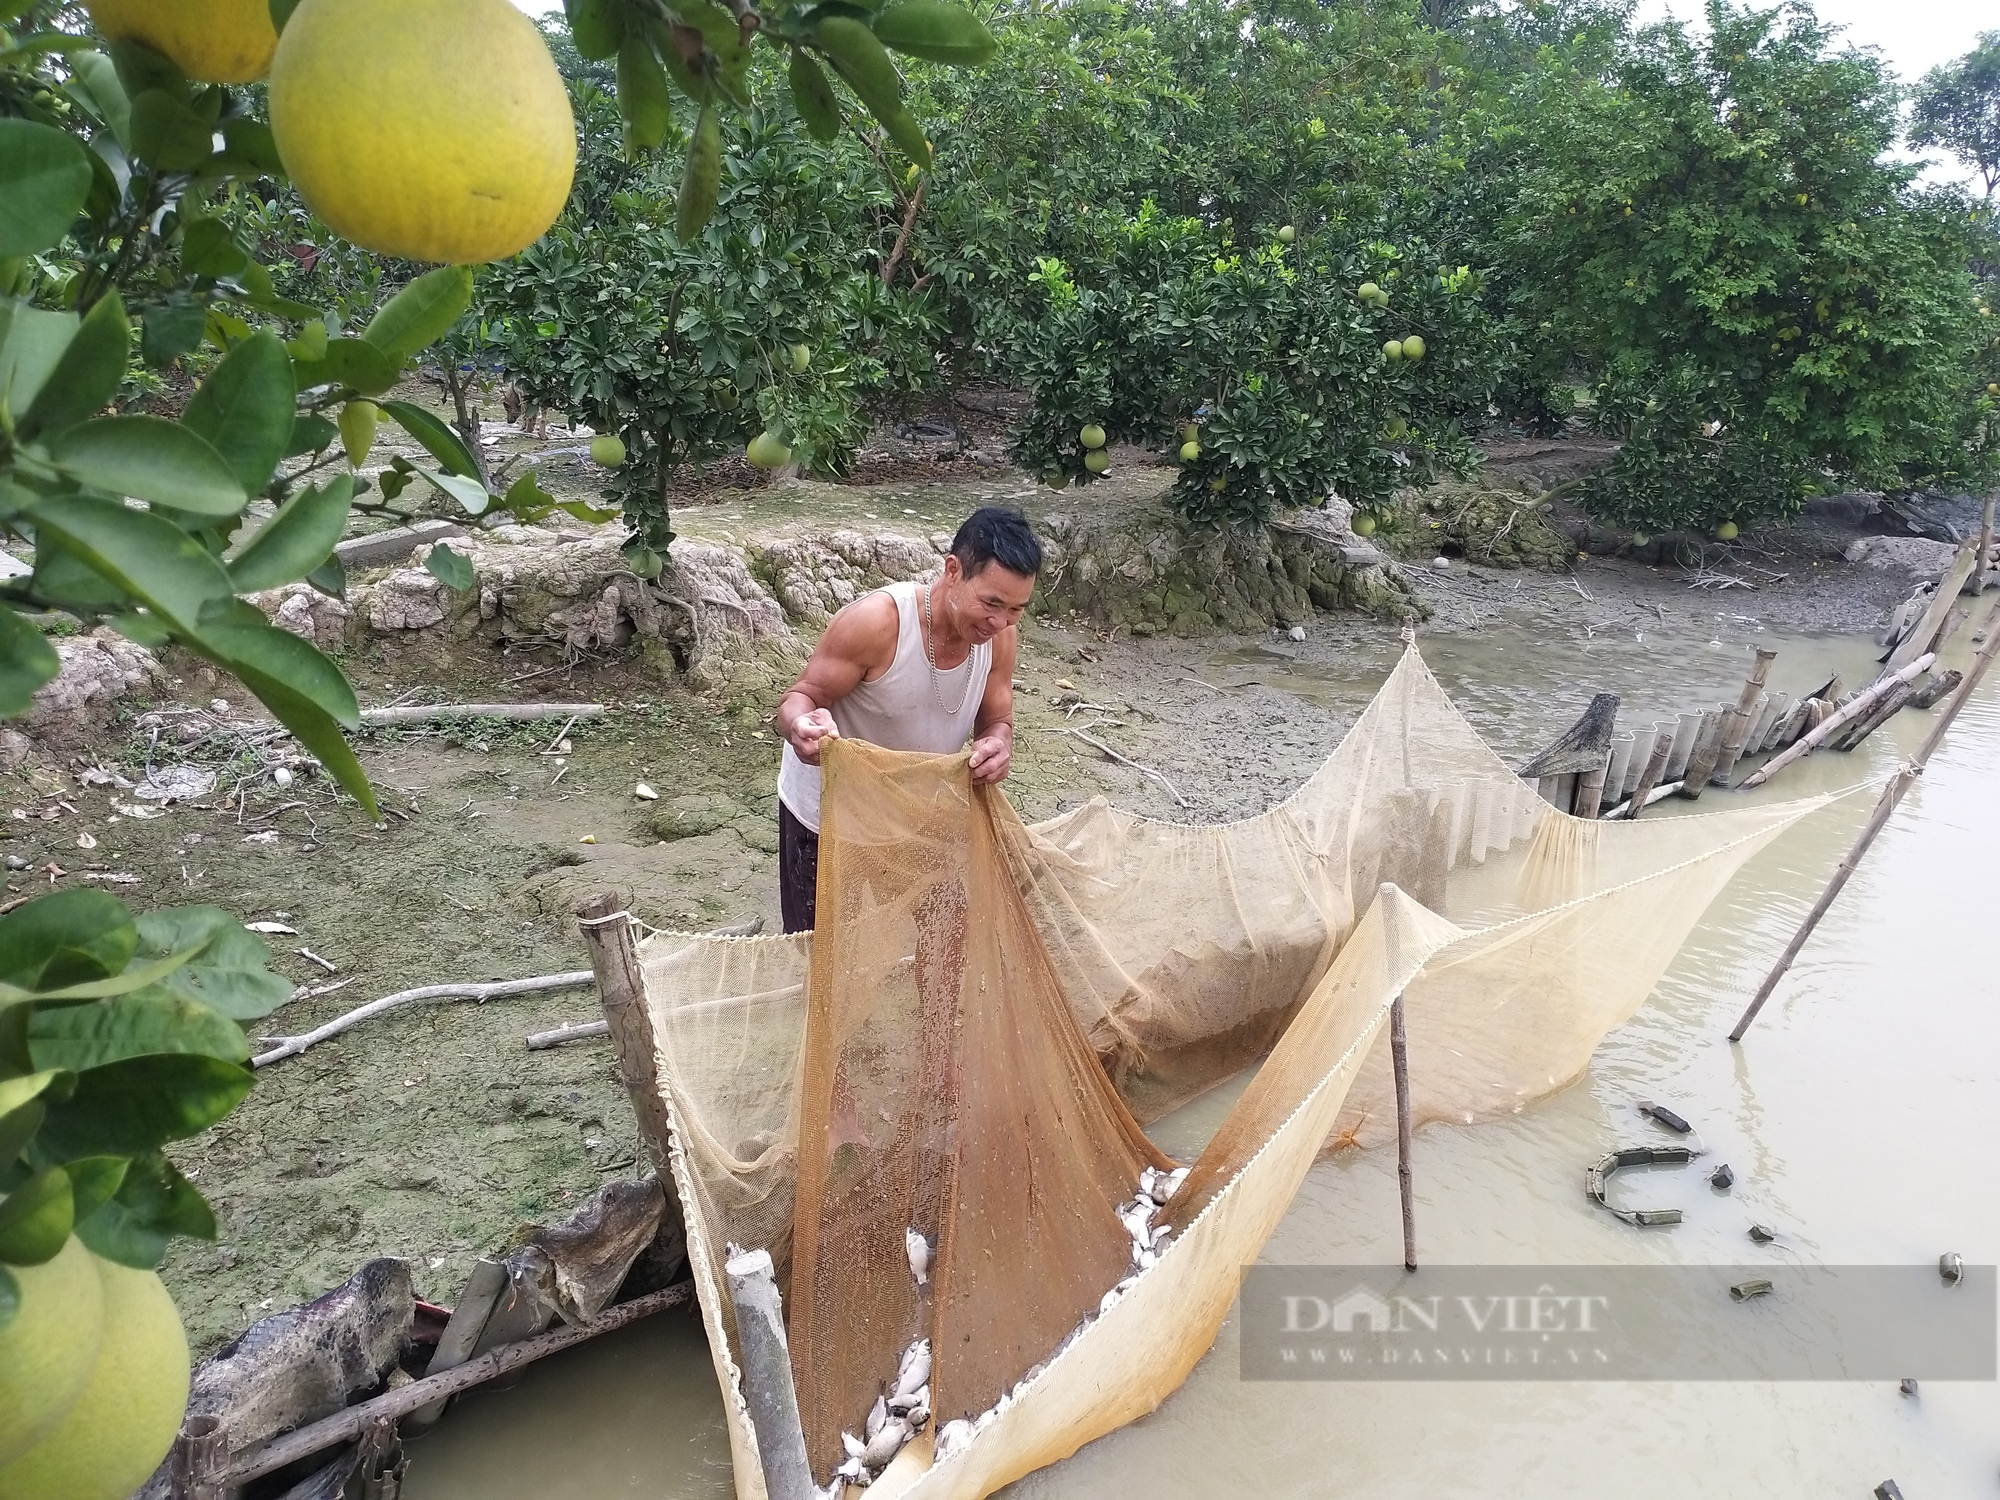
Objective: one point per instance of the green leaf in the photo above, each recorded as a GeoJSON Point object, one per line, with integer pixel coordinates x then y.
{"type": "Point", "coordinates": [141, 68]}
{"type": "Point", "coordinates": [583, 510]}
{"type": "Point", "coordinates": [421, 313]}
{"type": "Point", "coordinates": [44, 178]}
{"type": "Point", "coordinates": [71, 937]}
{"type": "Point", "coordinates": [701, 177]}
{"type": "Point", "coordinates": [252, 141]}
{"type": "Point", "coordinates": [152, 1204]}
{"type": "Point", "coordinates": [141, 629]}
{"type": "Point", "coordinates": [65, 578]}
{"type": "Point", "coordinates": [266, 650]}
{"type": "Point", "coordinates": [97, 87]}
{"type": "Point", "coordinates": [469, 493]}
{"type": "Point", "coordinates": [813, 96]}
{"type": "Point", "coordinates": [10, 1296]}
{"type": "Point", "coordinates": [642, 91]}
{"type": "Point", "coordinates": [169, 330]}
{"type": "Point", "coordinates": [231, 971]}
{"type": "Point", "coordinates": [150, 458]}
{"type": "Point", "coordinates": [330, 577]}
{"type": "Point", "coordinates": [295, 540]}
{"type": "Point", "coordinates": [437, 439]}
{"type": "Point", "coordinates": [140, 1024]}
{"type": "Point", "coordinates": [936, 30]}
{"type": "Point", "coordinates": [596, 26]}
{"type": "Point", "coordinates": [281, 12]}
{"type": "Point", "coordinates": [314, 728]}
{"type": "Point", "coordinates": [908, 135]}
{"type": "Point", "coordinates": [27, 661]}
{"type": "Point", "coordinates": [350, 362]}
{"type": "Point", "coordinates": [310, 434]}
{"type": "Point", "coordinates": [452, 567]}
{"type": "Point", "coordinates": [124, 1108]}
{"type": "Point", "coordinates": [94, 1181]}
{"type": "Point", "coordinates": [246, 407]}
{"type": "Point", "coordinates": [89, 374]}
{"type": "Point", "coordinates": [31, 346]}
{"type": "Point", "coordinates": [137, 977]}
{"type": "Point", "coordinates": [148, 556]}
{"type": "Point", "coordinates": [209, 248]}
{"type": "Point", "coordinates": [18, 1092]}
{"type": "Point", "coordinates": [17, 1128]}
{"type": "Point", "coordinates": [35, 1218]}
{"type": "Point", "coordinates": [166, 134]}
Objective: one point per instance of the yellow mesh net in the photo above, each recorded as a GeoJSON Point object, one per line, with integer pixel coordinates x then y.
{"type": "Point", "coordinates": [951, 1074]}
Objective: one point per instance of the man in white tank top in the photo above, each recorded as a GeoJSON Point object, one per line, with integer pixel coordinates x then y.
{"type": "Point", "coordinates": [912, 667]}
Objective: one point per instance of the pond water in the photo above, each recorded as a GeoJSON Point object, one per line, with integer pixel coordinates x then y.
{"type": "Point", "coordinates": [1856, 1114]}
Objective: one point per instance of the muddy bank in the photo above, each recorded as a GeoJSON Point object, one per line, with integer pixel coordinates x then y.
{"type": "Point", "coordinates": [433, 1133]}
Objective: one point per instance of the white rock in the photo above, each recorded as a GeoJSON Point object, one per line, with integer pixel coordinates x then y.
{"type": "Point", "coordinates": [281, 777]}
{"type": "Point", "coordinates": [1442, 564]}
{"type": "Point", "coordinates": [645, 793]}
{"type": "Point", "coordinates": [1297, 632]}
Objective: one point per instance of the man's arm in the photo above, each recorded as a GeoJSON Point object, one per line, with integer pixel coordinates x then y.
{"type": "Point", "coordinates": [859, 643]}
{"type": "Point", "coordinates": [993, 730]}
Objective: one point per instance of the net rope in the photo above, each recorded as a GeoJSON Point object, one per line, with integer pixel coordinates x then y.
{"type": "Point", "coordinates": [963, 1056]}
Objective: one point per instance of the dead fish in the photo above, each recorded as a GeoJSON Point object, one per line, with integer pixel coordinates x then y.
{"type": "Point", "coordinates": [917, 1416]}
{"type": "Point", "coordinates": [852, 1472]}
{"type": "Point", "coordinates": [920, 1256]}
{"type": "Point", "coordinates": [921, 1349]}
{"type": "Point", "coordinates": [952, 1437]}
{"type": "Point", "coordinates": [1147, 1260]}
{"type": "Point", "coordinates": [902, 1401]}
{"type": "Point", "coordinates": [1159, 1238]}
{"type": "Point", "coordinates": [1109, 1299]}
{"type": "Point", "coordinates": [877, 1415]}
{"type": "Point", "coordinates": [855, 1446]}
{"type": "Point", "coordinates": [917, 1373]}
{"type": "Point", "coordinates": [886, 1443]}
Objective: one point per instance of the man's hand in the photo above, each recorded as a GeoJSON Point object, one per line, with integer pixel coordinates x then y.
{"type": "Point", "coordinates": [992, 752]}
{"type": "Point", "coordinates": [807, 732]}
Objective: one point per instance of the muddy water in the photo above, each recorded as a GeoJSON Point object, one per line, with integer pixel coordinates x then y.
{"type": "Point", "coordinates": [1856, 1115]}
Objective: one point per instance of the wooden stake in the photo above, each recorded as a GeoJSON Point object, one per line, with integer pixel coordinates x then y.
{"type": "Point", "coordinates": [1590, 788]}
{"type": "Point", "coordinates": [1856, 706]}
{"type": "Point", "coordinates": [767, 1376]}
{"type": "Point", "coordinates": [621, 988]}
{"type": "Point", "coordinates": [1977, 583]}
{"type": "Point", "coordinates": [1737, 735]}
{"type": "Point", "coordinates": [1399, 1059]}
{"type": "Point", "coordinates": [344, 1426]}
{"type": "Point", "coordinates": [1885, 805]}
{"type": "Point", "coordinates": [1649, 778]}
{"type": "Point", "coordinates": [200, 1465]}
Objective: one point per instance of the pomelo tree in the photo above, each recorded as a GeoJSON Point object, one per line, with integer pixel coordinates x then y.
{"type": "Point", "coordinates": [431, 130]}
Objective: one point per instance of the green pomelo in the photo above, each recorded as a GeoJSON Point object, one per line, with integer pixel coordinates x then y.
{"type": "Point", "coordinates": [48, 1348]}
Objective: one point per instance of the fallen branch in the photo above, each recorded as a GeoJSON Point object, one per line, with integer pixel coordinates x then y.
{"type": "Point", "coordinates": [344, 1426]}
{"type": "Point", "coordinates": [577, 1031]}
{"type": "Point", "coordinates": [292, 1046]}
{"type": "Point", "coordinates": [424, 713]}
{"type": "Point", "coordinates": [1100, 746]}
{"type": "Point", "coordinates": [1859, 704]}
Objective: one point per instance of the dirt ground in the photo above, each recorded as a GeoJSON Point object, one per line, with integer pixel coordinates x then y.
{"type": "Point", "coordinates": [433, 1133]}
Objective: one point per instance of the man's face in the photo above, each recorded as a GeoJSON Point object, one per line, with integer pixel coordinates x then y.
{"type": "Point", "coordinates": [990, 600]}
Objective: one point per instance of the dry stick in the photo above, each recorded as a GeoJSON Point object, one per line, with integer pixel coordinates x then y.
{"type": "Point", "coordinates": [345, 1426]}
{"type": "Point", "coordinates": [1885, 805]}
{"type": "Point", "coordinates": [576, 1031]}
{"type": "Point", "coordinates": [621, 989]}
{"type": "Point", "coordinates": [1097, 744]}
{"type": "Point", "coordinates": [424, 713]}
{"type": "Point", "coordinates": [292, 1046]}
{"type": "Point", "coordinates": [1738, 731]}
{"type": "Point", "coordinates": [1856, 706]}
{"type": "Point", "coordinates": [1399, 1058]}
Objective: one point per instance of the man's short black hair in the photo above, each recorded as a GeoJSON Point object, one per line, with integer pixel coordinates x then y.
{"type": "Point", "coordinates": [995, 534]}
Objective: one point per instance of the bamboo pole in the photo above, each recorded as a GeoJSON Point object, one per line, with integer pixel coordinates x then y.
{"type": "Point", "coordinates": [1399, 1058]}
{"type": "Point", "coordinates": [199, 1464]}
{"type": "Point", "coordinates": [1663, 746]}
{"type": "Point", "coordinates": [1885, 805]}
{"type": "Point", "coordinates": [1856, 706]}
{"type": "Point", "coordinates": [1707, 750]}
{"type": "Point", "coordinates": [347, 1425]}
{"type": "Point", "coordinates": [1737, 735]}
{"type": "Point", "coordinates": [1976, 584]}
{"type": "Point", "coordinates": [1590, 788]}
{"type": "Point", "coordinates": [767, 1376]}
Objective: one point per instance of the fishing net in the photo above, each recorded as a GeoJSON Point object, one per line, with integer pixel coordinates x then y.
{"type": "Point", "coordinates": [929, 1111]}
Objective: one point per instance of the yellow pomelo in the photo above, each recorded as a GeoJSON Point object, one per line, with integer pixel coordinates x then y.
{"type": "Point", "coordinates": [121, 1424]}
{"type": "Point", "coordinates": [215, 41]}
{"type": "Point", "coordinates": [429, 129]}
{"type": "Point", "coordinates": [47, 1350]}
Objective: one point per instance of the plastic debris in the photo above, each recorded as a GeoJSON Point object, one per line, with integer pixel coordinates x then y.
{"type": "Point", "coordinates": [1908, 1386]}
{"type": "Point", "coordinates": [1951, 1267]}
{"type": "Point", "coordinates": [1763, 1234]}
{"type": "Point", "coordinates": [1636, 1156]}
{"type": "Point", "coordinates": [1743, 1291]}
{"type": "Point", "coordinates": [1722, 1178]}
{"type": "Point", "coordinates": [1667, 1118]}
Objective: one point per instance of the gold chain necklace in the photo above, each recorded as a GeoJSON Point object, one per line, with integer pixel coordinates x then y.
{"type": "Point", "coordinates": [930, 660]}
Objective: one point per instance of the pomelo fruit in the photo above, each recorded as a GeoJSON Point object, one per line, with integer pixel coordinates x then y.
{"type": "Point", "coordinates": [1218, 484]}
{"type": "Point", "coordinates": [1413, 347]}
{"type": "Point", "coordinates": [49, 1346]}
{"type": "Point", "coordinates": [434, 130]}
{"type": "Point", "coordinates": [122, 1422]}
{"type": "Point", "coordinates": [1287, 234]}
{"type": "Point", "coordinates": [607, 449]}
{"type": "Point", "coordinates": [1364, 524]}
{"type": "Point", "coordinates": [1190, 451]}
{"type": "Point", "coordinates": [358, 420]}
{"type": "Point", "coordinates": [212, 41]}
{"type": "Point", "coordinates": [1727, 532]}
{"type": "Point", "coordinates": [766, 451]}
{"type": "Point", "coordinates": [1368, 291]}
{"type": "Point", "coordinates": [1097, 460]}
{"type": "Point", "coordinates": [1092, 436]}
{"type": "Point", "coordinates": [1393, 350]}
{"type": "Point", "coordinates": [1395, 427]}
{"type": "Point", "coordinates": [1640, 539]}
{"type": "Point", "coordinates": [801, 357]}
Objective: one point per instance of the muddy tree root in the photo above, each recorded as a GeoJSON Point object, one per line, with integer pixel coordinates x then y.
{"type": "Point", "coordinates": [292, 1046]}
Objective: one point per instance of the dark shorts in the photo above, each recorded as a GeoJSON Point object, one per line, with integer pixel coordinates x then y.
{"type": "Point", "coordinates": [798, 871]}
